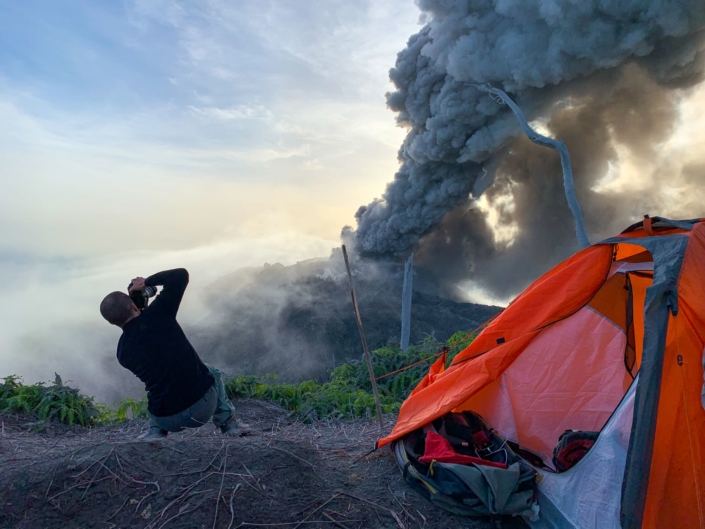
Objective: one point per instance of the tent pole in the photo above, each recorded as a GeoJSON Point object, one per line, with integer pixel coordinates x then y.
{"type": "Point", "coordinates": [406, 304]}
{"type": "Point", "coordinates": [368, 358]}
{"type": "Point", "coordinates": [556, 145]}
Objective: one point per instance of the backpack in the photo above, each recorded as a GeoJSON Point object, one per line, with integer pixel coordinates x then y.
{"type": "Point", "coordinates": [572, 447]}
{"type": "Point", "coordinates": [462, 466]}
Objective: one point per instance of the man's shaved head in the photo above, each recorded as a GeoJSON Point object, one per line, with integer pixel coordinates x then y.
{"type": "Point", "coordinates": [117, 308]}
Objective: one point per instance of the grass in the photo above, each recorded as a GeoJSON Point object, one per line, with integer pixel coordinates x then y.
{"type": "Point", "coordinates": [347, 393]}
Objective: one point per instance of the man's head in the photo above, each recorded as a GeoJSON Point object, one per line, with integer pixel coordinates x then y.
{"type": "Point", "coordinates": [118, 308]}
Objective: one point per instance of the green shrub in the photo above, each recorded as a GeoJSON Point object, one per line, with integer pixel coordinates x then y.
{"type": "Point", "coordinates": [56, 401]}
{"type": "Point", "coordinates": [348, 393]}
{"type": "Point", "coordinates": [64, 404]}
{"type": "Point", "coordinates": [126, 410]}
{"type": "Point", "coordinates": [459, 341]}
{"type": "Point", "coordinates": [137, 409]}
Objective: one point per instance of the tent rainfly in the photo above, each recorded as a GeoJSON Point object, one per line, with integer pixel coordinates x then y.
{"type": "Point", "coordinates": [611, 340]}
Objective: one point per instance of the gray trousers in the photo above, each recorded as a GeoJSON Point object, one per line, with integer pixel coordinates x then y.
{"type": "Point", "coordinates": [213, 405]}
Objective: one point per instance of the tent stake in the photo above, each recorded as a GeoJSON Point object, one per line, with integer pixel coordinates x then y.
{"type": "Point", "coordinates": [368, 358]}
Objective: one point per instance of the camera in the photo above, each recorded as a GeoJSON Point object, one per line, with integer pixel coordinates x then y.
{"type": "Point", "coordinates": [141, 297]}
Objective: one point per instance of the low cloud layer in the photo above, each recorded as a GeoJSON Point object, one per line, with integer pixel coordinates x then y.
{"type": "Point", "coordinates": [150, 134]}
{"type": "Point", "coordinates": [50, 317]}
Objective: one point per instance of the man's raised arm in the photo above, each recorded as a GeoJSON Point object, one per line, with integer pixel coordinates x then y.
{"type": "Point", "coordinates": [174, 283]}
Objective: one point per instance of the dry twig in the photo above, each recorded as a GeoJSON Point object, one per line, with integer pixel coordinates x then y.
{"type": "Point", "coordinates": [318, 509]}
{"type": "Point", "coordinates": [293, 455]}
{"type": "Point", "coordinates": [390, 511]}
{"type": "Point", "coordinates": [232, 509]}
{"type": "Point", "coordinates": [402, 505]}
{"type": "Point", "coordinates": [222, 479]}
{"type": "Point", "coordinates": [336, 522]}
{"type": "Point", "coordinates": [116, 512]}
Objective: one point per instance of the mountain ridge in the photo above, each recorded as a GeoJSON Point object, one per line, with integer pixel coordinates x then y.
{"type": "Point", "coordinates": [298, 322]}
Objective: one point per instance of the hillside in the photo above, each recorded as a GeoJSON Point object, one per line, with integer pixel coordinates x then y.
{"type": "Point", "coordinates": [298, 321]}
{"type": "Point", "coordinates": [286, 474]}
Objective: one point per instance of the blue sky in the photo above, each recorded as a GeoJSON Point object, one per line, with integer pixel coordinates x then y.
{"type": "Point", "coordinates": [275, 99]}
{"type": "Point", "coordinates": [139, 135]}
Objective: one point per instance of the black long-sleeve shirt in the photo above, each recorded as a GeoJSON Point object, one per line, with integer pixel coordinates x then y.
{"type": "Point", "coordinates": [154, 347]}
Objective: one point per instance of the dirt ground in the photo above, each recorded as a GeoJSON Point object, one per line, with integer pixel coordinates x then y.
{"type": "Point", "coordinates": [286, 474]}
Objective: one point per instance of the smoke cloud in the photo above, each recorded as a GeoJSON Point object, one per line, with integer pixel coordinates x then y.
{"type": "Point", "coordinates": [479, 202]}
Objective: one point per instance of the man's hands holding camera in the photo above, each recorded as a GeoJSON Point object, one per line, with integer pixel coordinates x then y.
{"type": "Point", "coordinates": [140, 293]}
{"type": "Point", "coordinates": [136, 285]}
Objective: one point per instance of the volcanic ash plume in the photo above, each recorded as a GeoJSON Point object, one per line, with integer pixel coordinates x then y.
{"type": "Point", "coordinates": [607, 77]}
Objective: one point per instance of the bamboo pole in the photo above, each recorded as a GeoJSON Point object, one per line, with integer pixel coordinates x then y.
{"type": "Point", "coordinates": [368, 358]}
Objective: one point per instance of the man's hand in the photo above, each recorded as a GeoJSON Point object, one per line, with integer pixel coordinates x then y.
{"type": "Point", "coordinates": [137, 285]}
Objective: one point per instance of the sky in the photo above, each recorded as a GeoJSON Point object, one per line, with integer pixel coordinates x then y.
{"type": "Point", "coordinates": [141, 135]}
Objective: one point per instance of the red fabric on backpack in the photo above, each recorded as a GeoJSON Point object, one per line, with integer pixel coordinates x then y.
{"type": "Point", "coordinates": [439, 449]}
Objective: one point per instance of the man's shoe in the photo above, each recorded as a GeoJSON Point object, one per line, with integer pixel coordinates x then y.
{"type": "Point", "coordinates": [235, 428]}
{"type": "Point", "coordinates": [154, 432]}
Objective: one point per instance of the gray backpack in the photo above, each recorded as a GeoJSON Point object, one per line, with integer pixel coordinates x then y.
{"type": "Point", "coordinates": [475, 488]}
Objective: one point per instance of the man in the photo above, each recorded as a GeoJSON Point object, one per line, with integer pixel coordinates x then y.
{"type": "Point", "coordinates": [182, 391]}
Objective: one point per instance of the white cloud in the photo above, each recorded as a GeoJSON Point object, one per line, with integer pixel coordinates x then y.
{"type": "Point", "coordinates": [236, 112]}
{"type": "Point", "coordinates": [206, 134]}
{"type": "Point", "coordinates": [50, 312]}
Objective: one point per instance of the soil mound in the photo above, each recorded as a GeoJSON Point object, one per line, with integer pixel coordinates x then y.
{"type": "Point", "coordinates": [284, 475]}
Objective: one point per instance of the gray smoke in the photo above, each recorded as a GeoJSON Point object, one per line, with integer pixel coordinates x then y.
{"type": "Point", "coordinates": [599, 74]}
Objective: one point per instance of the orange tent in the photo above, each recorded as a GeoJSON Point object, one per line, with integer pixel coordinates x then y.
{"type": "Point", "coordinates": [610, 340]}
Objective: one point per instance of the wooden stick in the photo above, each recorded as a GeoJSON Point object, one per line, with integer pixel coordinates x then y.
{"type": "Point", "coordinates": [368, 358]}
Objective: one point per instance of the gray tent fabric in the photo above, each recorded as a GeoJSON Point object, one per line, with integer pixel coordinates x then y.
{"type": "Point", "coordinates": [661, 302]}
{"type": "Point", "coordinates": [660, 222]}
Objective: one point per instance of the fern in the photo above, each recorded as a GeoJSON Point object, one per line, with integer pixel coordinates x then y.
{"type": "Point", "coordinates": [57, 401]}
{"type": "Point", "coordinates": [137, 409]}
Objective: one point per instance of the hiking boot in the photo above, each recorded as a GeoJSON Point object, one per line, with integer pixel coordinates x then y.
{"type": "Point", "coordinates": [154, 432]}
{"type": "Point", "coordinates": [235, 428]}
